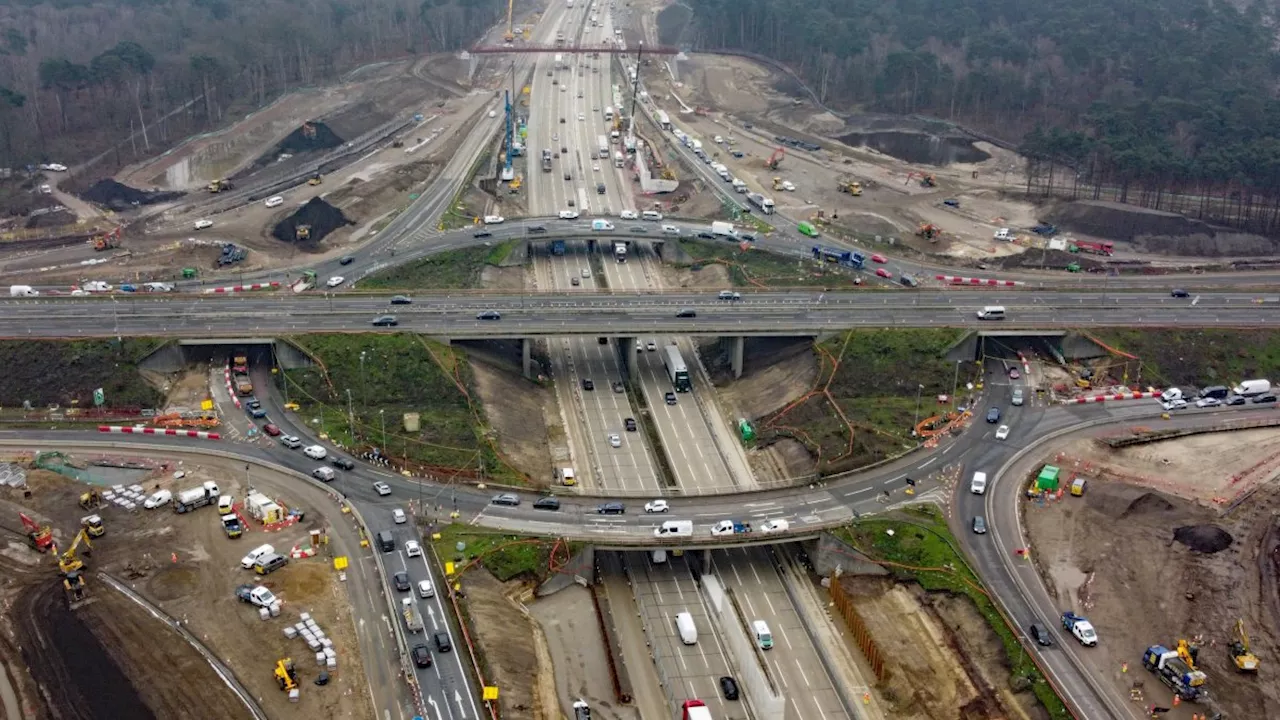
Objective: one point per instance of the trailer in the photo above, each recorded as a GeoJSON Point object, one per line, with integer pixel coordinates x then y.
{"type": "Point", "coordinates": [846, 258]}
{"type": "Point", "coordinates": [1184, 680]}
{"type": "Point", "coordinates": [677, 371]}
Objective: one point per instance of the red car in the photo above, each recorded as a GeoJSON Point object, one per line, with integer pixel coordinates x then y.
{"type": "Point", "coordinates": [883, 273]}
{"type": "Point", "coordinates": [1014, 374]}
{"type": "Point", "coordinates": [879, 259]}
{"type": "Point", "coordinates": [271, 430]}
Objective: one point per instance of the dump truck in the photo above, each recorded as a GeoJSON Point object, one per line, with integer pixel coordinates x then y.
{"type": "Point", "coordinates": [412, 618]}
{"type": "Point", "coordinates": [218, 186]}
{"type": "Point", "coordinates": [306, 282]}
{"type": "Point", "coordinates": [839, 256]}
{"type": "Point", "coordinates": [240, 361]}
{"type": "Point", "coordinates": [188, 500]}
{"type": "Point", "coordinates": [1080, 628]}
{"type": "Point", "coordinates": [244, 386]}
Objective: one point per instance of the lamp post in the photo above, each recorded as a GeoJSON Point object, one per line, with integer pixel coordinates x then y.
{"type": "Point", "coordinates": [364, 395]}
{"type": "Point", "coordinates": [916, 422]}
{"type": "Point", "coordinates": [955, 385]}
{"type": "Point", "coordinates": [351, 417]}
{"type": "Point", "coordinates": [382, 417]}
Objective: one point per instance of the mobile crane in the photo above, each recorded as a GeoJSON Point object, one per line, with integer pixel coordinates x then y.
{"type": "Point", "coordinates": [509, 36]}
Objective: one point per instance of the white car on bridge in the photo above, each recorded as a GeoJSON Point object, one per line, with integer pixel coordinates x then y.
{"type": "Point", "coordinates": [777, 525]}
{"type": "Point", "coordinates": [657, 506]}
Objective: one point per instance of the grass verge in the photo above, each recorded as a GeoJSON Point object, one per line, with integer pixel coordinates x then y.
{"type": "Point", "coordinates": [760, 268]}
{"type": "Point", "coordinates": [1198, 357]}
{"type": "Point", "coordinates": [456, 216]}
{"type": "Point", "coordinates": [922, 550]}
{"type": "Point", "coordinates": [863, 406]}
{"type": "Point", "coordinates": [505, 556]}
{"type": "Point", "coordinates": [400, 374]}
{"type": "Point", "coordinates": [449, 270]}
{"type": "Point", "coordinates": [67, 372]}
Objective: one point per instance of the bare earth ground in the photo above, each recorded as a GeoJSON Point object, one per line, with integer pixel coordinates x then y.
{"type": "Point", "coordinates": [577, 651]}
{"type": "Point", "coordinates": [198, 589]}
{"type": "Point", "coordinates": [1112, 554]}
{"type": "Point", "coordinates": [505, 635]}
{"type": "Point", "coordinates": [516, 409]}
{"type": "Point", "coordinates": [941, 656]}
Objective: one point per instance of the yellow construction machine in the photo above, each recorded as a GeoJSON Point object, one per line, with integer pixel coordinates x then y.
{"type": "Point", "coordinates": [302, 232]}
{"type": "Point", "coordinates": [220, 185]}
{"type": "Point", "coordinates": [853, 187]}
{"type": "Point", "coordinates": [1245, 660]}
{"type": "Point", "coordinates": [286, 674]}
{"type": "Point", "coordinates": [68, 563]}
{"type": "Point", "coordinates": [509, 36]}
{"type": "Point", "coordinates": [777, 183]}
{"type": "Point", "coordinates": [928, 181]}
{"type": "Point", "coordinates": [91, 500]}
{"type": "Point", "coordinates": [315, 179]}
{"type": "Point", "coordinates": [92, 524]}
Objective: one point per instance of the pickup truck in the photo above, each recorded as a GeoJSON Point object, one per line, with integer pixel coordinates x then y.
{"type": "Point", "coordinates": [1080, 628]}
{"type": "Point", "coordinates": [412, 618]}
{"type": "Point", "coordinates": [256, 595]}
{"type": "Point", "coordinates": [232, 526]}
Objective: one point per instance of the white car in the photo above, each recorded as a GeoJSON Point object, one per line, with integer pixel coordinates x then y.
{"type": "Point", "coordinates": [586, 272]}
{"type": "Point", "coordinates": [412, 548]}
{"type": "Point", "coordinates": [788, 186]}
{"type": "Point", "coordinates": [275, 201]}
{"type": "Point", "coordinates": [159, 498]}
{"type": "Point", "coordinates": [724, 527]}
{"type": "Point", "coordinates": [657, 506]}
{"type": "Point", "coordinates": [776, 525]}
{"type": "Point", "coordinates": [425, 590]}
{"type": "Point", "coordinates": [615, 440]}
{"type": "Point", "coordinates": [315, 452]}
{"type": "Point", "coordinates": [382, 488]}
{"type": "Point", "coordinates": [96, 286]}
{"type": "Point", "coordinates": [582, 116]}
{"type": "Point", "coordinates": [335, 281]}
{"type": "Point", "coordinates": [494, 219]}
{"type": "Point", "coordinates": [493, 113]}
{"type": "Point", "coordinates": [568, 214]}
{"type": "Point", "coordinates": [651, 346]}
{"type": "Point", "coordinates": [398, 516]}
{"type": "Point", "coordinates": [555, 137]}
{"type": "Point", "coordinates": [670, 230]}
{"type": "Point", "coordinates": [1002, 433]}
{"type": "Point", "coordinates": [595, 167]}
{"type": "Point", "coordinates": [202, 224]}
{"type": "Point", "coordinates": [1175, 404]}
{"type": "Point", "coordinates": [717, 139]}
{"type": "Point", "coordinates": [629, 215]}
{"type": "Point", "coordinates": [54, 167]}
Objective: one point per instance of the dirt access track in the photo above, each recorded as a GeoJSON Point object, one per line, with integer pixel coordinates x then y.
{"type": "Point", "coordinates": [112, 659]}
{"type": "Point", "coordinates": [1155, 552]}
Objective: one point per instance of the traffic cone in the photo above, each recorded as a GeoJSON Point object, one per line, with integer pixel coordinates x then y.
{"type": "Point", "coordinates": [174, 557]}
{"type": "Point", "coordinates": [1124, 667]}
{"type": "Point", "coordinates": [1177, 700]}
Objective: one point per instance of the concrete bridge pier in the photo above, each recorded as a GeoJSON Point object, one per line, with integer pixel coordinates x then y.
{"type": "Point", "coordinates": [526, 359]}
{"type": "Point", "coordinates": [628, 355]}
{"type": "Point", "coordinates": [737, 350]}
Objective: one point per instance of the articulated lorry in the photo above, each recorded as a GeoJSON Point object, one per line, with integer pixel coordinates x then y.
{"type": "Point", "coordinates": [765, 204]}
{"type": "Point", "coordinates": [188, 500]}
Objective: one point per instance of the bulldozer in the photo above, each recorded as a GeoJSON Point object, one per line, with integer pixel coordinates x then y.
{"type": "Point", "coordinates": [302, 232]}
{"type": "Point", "coordinates": [929, 232]}
{"type": "Point", "coordinates": [853, 187]}
{"type": "Point", "coordinates": [286, 674]}
{"type": "Point", "coordinates": [220, 185]}
{"type": "Point", "coordinates": [74, 587]}
{"type": "Point", "coordinates": [315, 179]}
{"type": "Point", "coordinates": [91, 500]}
{"type": "Point", "coordinates": [1245, 660]}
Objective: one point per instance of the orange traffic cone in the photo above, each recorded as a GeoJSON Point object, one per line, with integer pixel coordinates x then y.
{"type": "Point", "coordinates": [174, 557]}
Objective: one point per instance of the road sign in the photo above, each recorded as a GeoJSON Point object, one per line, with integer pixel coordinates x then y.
{"type": "Point", "coordinates": [99, 397]}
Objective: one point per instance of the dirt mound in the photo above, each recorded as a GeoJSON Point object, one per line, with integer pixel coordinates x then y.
{"type": "Point", "coordinates": [1051, 260]}
{"type": "Point", "coordinates": [117, 196]}
{"type": "Point", "coordinates": [1203, 538]}
{"type": "Point", "coordinates": [320, 215]}
{"type": "Point", "coordinates": [1158, 231]}
{"type": "Point", "coordinates": [1124, 501]}
{"type": "Point", "coordinates": [311, 136]}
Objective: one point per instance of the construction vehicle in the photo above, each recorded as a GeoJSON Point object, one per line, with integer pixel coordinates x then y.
{"type": "Point", "coordinates": [1093, 248]}
{"type": "Point", "coordinates": [107, 241]}
{"type": "Point", "coordinates": [74, 587]}
{"type": "Point", "coordinates": [240, 361]}
{"type": "Point", "coordinates": [853, 187]}
{"type": "Point", "coordinates": [232, 526]}
{"type": "Point", "coordinates": [929, 232]}
{"type": "Point", "coordinates": [40, 536]}
{"type": "Point", "coordinates": [315, 179]}
{"type": "Point", "coordinates": [1080, 628]}
{"type": "Point", "coordinates": [91, 500]}
{"type": "Point", "coordinates": [928, 181]}
{"type": "Point", "coordinates": [286, 674]}
{"type": "Point", "coordinates": [302, 232]}
{"type": "Point", "coordinates": [92, 524]}
{"type": "Point", "coordinates": [1245, 660]}
{"type": "Point", "coordinates": [1174, 671]}
{"type": "Point", "coordinates": [220, 185]}
{"type": "Point", "coordinates": [69, 562]}
{"type": "Point", "coordinates": [777, 183]}
{"type": "Point", "coordinates": [193, 498]}
{"type": "Point", "coordinates": [307, 281]}
{"type": "Point", "coordinates": [772, 164]}
{"type": "Point", "coordinates": [510, 35]}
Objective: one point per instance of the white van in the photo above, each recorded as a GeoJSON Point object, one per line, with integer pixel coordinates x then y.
{"type": "Point", "coordinates": [276, 201]}
{"type": "Point", "coordinates": [651, 215]}
{"type": "Point", "coordinates": [978, 485]}
{"type": "Point", "coordinates": [764, 639]}
{"type": "Point", "coordinates": [991, 312]}
{"type": "Point", "coordinates": [1171, 394]}
{"type": "Point", "coordinates": [323, 474]}
{"type": "Point", "coordinates": [261, 551]}
{"type": "Point", "coordinates": [674, 528]}
{"type": "Point", "coordinates": [659, 557]}
{"type": "Point", "coordinates": [688, 631]}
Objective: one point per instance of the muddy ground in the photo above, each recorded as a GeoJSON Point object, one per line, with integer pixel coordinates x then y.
{"type": "Point", "coordinates": [1142, 555]}
{"type": "Point", "coordinates": [187, 566]}
{"type": "Point", "coordinates": [518, 412]}
{"type": "Point", "coordinates": [505, 634]}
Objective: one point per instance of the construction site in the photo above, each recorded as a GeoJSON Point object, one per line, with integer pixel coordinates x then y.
{"type": "Point", "coordinates": [106, 583]}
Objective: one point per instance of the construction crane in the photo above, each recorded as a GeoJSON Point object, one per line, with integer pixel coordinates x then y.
{"type": "Point", "coordinates": [68, 563]}
{"type": "Point", "coordinates": [1245, 660]}
{"type": "Point", "coordinates": [286, 674]}
{"type": "Point", "coordinates": [775, 158]}
{"type": "Point", "coordinates": [508, 171]}
{"type": "Point", "coordinates": [40, 536]}
{"type": "Point", "coordinates": [510, 36]}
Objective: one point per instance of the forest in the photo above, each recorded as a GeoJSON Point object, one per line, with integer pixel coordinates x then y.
{"type": "Point", "coordinates": [76, 75]}
{"type": "Point", "coordinates": [1164, 103]}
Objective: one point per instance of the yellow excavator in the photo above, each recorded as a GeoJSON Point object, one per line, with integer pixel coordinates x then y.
{"type": "Point", "coordinates": [1245, 660]}
{"type": "Point", "coordinates": [315, 179]}
{"type": "Point", "coordinates": [92, 524]}
{"type": "Point", "coordinates": [91, 500]}
{"type": "Point", "coordinates": [286, 674]}
{"type": "Point", "coordinates": [68, 562]}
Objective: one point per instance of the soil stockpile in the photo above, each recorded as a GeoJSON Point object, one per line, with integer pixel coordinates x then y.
{"type": "Point", "coordinates": [320, 215]}
{"type": "Point", "coordinates": [1203, 538]}
{"type": "Point", "coordinates": [117, 196]}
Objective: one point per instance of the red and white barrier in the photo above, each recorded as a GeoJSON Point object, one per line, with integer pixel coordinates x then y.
{"type": "Point", "coordinates": [136, 430]}
{"type": "Point", "coordinates": [244, 288]}
{"type": "Point", "coordinates": [1115, 396]}
{"type": "Point", "coordinates": [226, 373]}
{"type": "Point", "coordinates": [985, 282]}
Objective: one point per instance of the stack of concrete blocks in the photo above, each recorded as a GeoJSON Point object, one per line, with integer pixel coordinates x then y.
{"type": "Point", "coordinates": [317, 642]}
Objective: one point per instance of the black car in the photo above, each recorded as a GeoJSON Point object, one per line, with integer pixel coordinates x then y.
{"type": "Point", "coordinates": [587, 384]}
{"type": "Point", "coordinates": [729, 687]}
{"type": "Point", "coordinates": [547, 503]}
{"type": "Point", "coordinates": [993, 415]}
{"type": "Point", "coordinates": [346, 260]}
{"type": "Point", "coordinates": [567, 176]}
{"type": "Point", "coordinates": [482, 234]}
{"type": "Point", "coordinates": [401, 580]}
{"type": "Point", "coordinates": [600, 190]}
{"type": "Point", "coordinates": [611, 508]}
{"type": "Point", "coordinates": [1264, 399]}
{"type": "Point", "coordinates": [341, 462]}
{"type": "Point", "coordinates": [386, 321]}
{"type": "Point", "coordinates": [706, 236]}
{"type": "Point", "coordinates": [1040, 634]}
{"type": "Point", "coordinates": [401, 300]}
{"type": "Point", "coordinates": [687, 313]}
{"type": "Point", "coordinates": [670, 398]}
{"type": "Point", "coordinates": [421, 656]}
{"type": "Point", "coordinates": [489, 315]}
{"type": "Point", "coordinates": [1236, 400]}
{"type": "Point", "coordinates": [1180, 293]}
{"type": "Point", "coordinates": [537, 229]}
{"type": "Point", "coordinates": [442, 642]}
{"type": "Point", "coordinates": [638, 230]}
{"type": "Point", "coordinates": [629, 424]}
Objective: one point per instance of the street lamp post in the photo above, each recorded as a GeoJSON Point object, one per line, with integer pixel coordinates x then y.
{"type": "Point", "coordinates": [382, 417]}
{"type": "Point", "coordinates": [955, 386]}
{"type": "Point", "coordinates": [351, 417]}
{"type": "Point", "coordinates": [916, 422]}
{"type": "Point", "coordinates": [364, 395]}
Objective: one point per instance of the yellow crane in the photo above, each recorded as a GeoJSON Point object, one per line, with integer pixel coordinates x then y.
{"type": "Point", "coordinates": [510, 35]}
{"type": "Point", "coordinates": [1245, 660]}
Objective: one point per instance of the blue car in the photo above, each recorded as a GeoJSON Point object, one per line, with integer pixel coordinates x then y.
{"type": "Point", "coordinates": [128, 288]}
